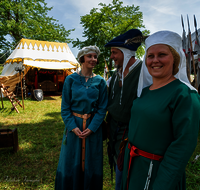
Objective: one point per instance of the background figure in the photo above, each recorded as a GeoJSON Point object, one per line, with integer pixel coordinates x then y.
{"type": "Point", "coordinates": [165, 119]}
{"type": "Point", "coordinates": [84, 101]}
{"type": "Point", "coordinates": [122, 92]}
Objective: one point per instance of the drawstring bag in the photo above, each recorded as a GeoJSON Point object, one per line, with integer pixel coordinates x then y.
{"type": "Point", "coordinates": [120, 159]}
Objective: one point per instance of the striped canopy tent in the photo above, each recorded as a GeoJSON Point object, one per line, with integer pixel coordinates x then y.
{"type": "Point", "coordinates": [37, 54]}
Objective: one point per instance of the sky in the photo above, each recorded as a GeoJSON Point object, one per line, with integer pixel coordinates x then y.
{"type": "Point", "coordinates": [157, 14]}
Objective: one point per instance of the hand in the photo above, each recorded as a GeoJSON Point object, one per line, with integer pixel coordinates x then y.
{"type": "Point", "coordinates": [85, 133]}
{"type": "Point", "coordinates": [77, 131]}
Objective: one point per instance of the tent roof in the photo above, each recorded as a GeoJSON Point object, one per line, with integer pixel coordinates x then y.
{"type": "Point", "coordinates": [43, 54]}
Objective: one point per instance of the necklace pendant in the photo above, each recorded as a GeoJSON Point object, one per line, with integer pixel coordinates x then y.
{"type": "Point", "coordinates": [86, 87]}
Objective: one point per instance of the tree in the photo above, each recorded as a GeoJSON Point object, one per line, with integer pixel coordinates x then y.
{"type": "Point", "coordinates": [28, 19]}
{"type": "Point", "coordinates": [102, 25]}
{"type": "Point", "coordinates": [3, 56]}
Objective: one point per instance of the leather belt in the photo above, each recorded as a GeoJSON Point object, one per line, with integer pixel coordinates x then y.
{"type": "Point", "coordinates": [84, 117]}
{"type": "Point", "coordinates": [137, 152]}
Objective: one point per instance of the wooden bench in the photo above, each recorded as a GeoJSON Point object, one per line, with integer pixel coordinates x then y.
{"type": "Point", "coordinates": [9, 138]}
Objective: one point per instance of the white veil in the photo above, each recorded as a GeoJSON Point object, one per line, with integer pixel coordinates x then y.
{"type": "Point", "coordinates": [169, 38]}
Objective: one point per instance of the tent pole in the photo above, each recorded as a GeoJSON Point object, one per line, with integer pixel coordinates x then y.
{"type": "Point", "coordinates": [21, 90]}
{"type": "Point", "coordinates": [37, 76]}
{"type": "Point", "coordinates": [56, 80]}
{"type": "Point", "coordinates": [1, 98]}
{"type": "Point", "coordinates": [64, 71]}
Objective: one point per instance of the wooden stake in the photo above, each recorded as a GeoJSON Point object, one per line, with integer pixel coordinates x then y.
{"type": "Point", "coordinates": [1, 98]}
{"type": "Point", "coordinates": [22, 91]}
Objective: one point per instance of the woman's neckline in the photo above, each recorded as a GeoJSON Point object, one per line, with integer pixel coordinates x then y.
{"type": "Point", "coordinates": [94, 75]}
{"type": "Point", "coordinates": [162, 86]}
{"type": "Point", "coordinates": [86, 79]}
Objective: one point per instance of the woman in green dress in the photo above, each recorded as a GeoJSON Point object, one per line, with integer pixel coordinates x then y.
{"type": "Point", "coordinates": [165, 119]}
{"type": "Point", "coordinates": [83, 108]}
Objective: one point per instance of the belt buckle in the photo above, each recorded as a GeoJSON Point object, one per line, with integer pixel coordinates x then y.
{"type": "Point", "coordinates": [85, 116]}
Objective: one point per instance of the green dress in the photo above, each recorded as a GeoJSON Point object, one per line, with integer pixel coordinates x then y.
{"type": "Point", "coordinates": [76, 98]}
{"type": "Point", "coordinates": [164, 122]}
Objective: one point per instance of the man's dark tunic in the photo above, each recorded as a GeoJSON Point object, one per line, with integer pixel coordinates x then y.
{"type": "Point", "coordinates": [119, 115]}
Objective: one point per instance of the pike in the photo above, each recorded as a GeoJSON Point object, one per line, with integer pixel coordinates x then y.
{"type": "Point", "coordinates": [192, 53]}
{"type": "Point", "coordinates": [197, 43]}
{"type": "Point", "coordinates": [197, 50]}
{"type": "Point", "coordinates": [183, 37]}
{"type": "Point", "coordinates": [184, 41]}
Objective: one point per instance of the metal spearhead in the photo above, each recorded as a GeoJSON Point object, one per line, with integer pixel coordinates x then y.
{"type": "Point", "coordinates": [188, 46]}
{"type": "Point", "coordinates": [185, 46]}
{"type": "Point", "coordinates": [197, 43]}
{"type": "Point", "coordinates": [183, 37]}
{"type": "Point", "coordinates": [182, 23]}
{"type": "Point", "coordinates": [195, 23]}
{"type": "Point", "coordinates": [197, 50]}
{"type": "Point", "coordinates": [188, 39]}
{"type": "Point", "coordinates": [188, 24]}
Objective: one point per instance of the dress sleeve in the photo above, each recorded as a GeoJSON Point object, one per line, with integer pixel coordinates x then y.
{"type": "Point", "coordinates": [101, 110]}
{"type": "Point", "coordinates": [66, 114]}
{"type": "Point", "coordinates": [185, 125]}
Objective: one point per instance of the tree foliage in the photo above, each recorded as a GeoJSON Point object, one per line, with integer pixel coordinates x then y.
{"type": "Point", "coordinates": [3, 56]}
{"type": "Point", "coordinates": [103, 24]}
{"type": "Point", "coordinates": [28, 19]}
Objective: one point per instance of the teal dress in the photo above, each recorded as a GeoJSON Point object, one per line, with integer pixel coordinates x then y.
{"type": "Point", "coordinates": [164, 122]}
{"type": "Point", "coordinates": [76, 97]}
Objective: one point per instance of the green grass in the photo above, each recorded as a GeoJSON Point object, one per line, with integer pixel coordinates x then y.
{"type": "Point", "coordinates": [40, 128]}
{"type": "Point", "coordinates": [193, 170]}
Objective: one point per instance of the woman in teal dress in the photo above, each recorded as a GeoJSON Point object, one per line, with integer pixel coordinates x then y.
{"type": "Point", "coordinates": [165, 119]}
{"type": "Point", "coordinates": [83, 108]}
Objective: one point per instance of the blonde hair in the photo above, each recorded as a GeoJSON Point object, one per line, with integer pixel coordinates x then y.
{"type": "Point", "coordinates": [176, 57]}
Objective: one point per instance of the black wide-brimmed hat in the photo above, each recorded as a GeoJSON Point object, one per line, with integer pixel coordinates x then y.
{"type": "Point", "coordinates": [121, 40]}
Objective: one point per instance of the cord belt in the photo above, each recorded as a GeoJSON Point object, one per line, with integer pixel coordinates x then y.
{"type": "Point", "coordinates": [137, 152]}
{"type": "Point", "coordinates": [84, 117]}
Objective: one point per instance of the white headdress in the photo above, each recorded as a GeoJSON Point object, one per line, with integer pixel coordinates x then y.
{"type": "Point", "coordinates": [87, 50]}
{"type": "Point", "coordinates": [168, 38]}
{"type": "Point", "coordinates": [127, 56]}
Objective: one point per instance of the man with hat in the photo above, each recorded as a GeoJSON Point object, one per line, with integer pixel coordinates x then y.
{"type": "Point", "coordinates": [122, 92]}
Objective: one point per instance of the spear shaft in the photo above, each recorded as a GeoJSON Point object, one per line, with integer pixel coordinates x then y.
{"type": "Point", "coordinates": [195, 24]}
{"type": "Point", "coordinates": [184, 49]}
{"type": "Point", "coordinates": [189, 35]}
{"type": "Point", "coordinates": [183, 36]}
{"type": "Point", "coordinates": [197, 50]}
